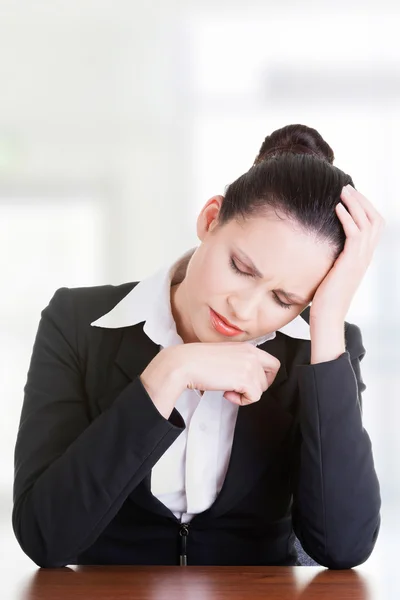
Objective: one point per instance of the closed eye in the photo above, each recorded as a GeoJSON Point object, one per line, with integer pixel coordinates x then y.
{"type": "Point", "coordinates": [277, 299]}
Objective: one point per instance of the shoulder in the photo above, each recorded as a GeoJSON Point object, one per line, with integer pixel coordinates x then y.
{"type": "Point", "coordinates": [75, 308]}
{"type": "Point", "coordinates": [71, 310]}
{"type": "Point", "coordinates": [88, 303]}
{"type": "Point", "coordinates": [92, 302]}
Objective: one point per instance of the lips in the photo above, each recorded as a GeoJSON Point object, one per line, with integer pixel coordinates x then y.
{"type": "Point", "coordinates": [223, 326]}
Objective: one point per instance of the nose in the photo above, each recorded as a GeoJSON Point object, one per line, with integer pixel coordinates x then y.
{"type": "Point", "coordinates": [244, 309]}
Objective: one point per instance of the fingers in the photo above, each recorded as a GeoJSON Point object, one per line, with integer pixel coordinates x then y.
{"type": "Point", "coordinates": [259, 370]}
{"type": "Point", "coordinates": [351, 228]}
{"type": "Point", "coordinates": [362, 210]}
{"type": "Point", "coordinates": [270, 376]}
{"type": "Point", "coordinates": [269, 363]}
{"type": "Point", "coordinates": [249, 395]}
{"type": "Point", "coordinates": [362, 223]}
{"type": "Point", "coordinates": [357, 211]}
{"type": "Point", "coordinates": [239, 399]}
{"type": "Point", "coordinates": [267, 360]}
{"type": "Point", "coordinates": [234, 397]}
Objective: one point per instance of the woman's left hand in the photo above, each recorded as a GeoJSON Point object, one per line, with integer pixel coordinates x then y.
{"type": "Point", "coordinates": [363, 226]}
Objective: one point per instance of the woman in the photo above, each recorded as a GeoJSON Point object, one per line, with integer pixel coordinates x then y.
{"type": "Point", "coordinates": [208, 414]}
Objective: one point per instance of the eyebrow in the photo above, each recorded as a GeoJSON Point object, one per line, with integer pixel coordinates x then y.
{"type": "Point", "coordinates": [288, 295]}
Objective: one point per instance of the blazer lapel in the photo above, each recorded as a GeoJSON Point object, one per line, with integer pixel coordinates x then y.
{"type": "Point", "coordinates": [135, 351]}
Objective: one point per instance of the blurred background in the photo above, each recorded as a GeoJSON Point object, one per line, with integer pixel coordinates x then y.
{"type": "Point", "coordinates": [120, 119]}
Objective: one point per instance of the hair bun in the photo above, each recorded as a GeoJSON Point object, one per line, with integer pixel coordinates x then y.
{"type": "Point", "coordinates": [298, 139]}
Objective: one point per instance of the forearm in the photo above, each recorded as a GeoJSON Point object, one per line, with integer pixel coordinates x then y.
{"type": "Point", "coordinates": [72, 501]}
{"type": "Point", "coordinates": [164, 380]}
{"type": "Point", "coordinates": [337, 498]}
{"type": "Point", "coordinates": [327, 339]}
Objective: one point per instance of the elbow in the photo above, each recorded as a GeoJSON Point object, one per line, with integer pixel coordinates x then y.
{"type": "Point", "coordinates": [49, 561]}
{"type": "Point", "coordinates": [44, 562]}
{"type": "Point", "coordinates": [31, 540]}
{"type": "Point", "coordinates": [347, 559]}
{"type": "Point", "coordinates": [344, 552]}
{"type": "Point", "coordinates": [35, 553]}
{"type": "Point", "coordinates": [50, 564]}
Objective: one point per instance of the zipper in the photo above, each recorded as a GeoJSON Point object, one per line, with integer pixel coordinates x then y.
{"type": "Point", "coordinates": [183, 532]}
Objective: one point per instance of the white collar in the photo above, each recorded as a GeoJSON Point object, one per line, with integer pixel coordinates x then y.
{"type": "Point", "coordinates": [149, 301]}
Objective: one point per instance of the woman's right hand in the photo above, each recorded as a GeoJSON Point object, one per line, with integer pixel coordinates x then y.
{"type": "Point", "coordinates": [240, 369]}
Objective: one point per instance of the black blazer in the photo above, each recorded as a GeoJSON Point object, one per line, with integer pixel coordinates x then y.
{"type": "Point", "coordinates": [89, 435]}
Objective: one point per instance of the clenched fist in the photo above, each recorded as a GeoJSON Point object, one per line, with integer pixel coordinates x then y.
{"type": "Point", "coordinates": [240, 369]}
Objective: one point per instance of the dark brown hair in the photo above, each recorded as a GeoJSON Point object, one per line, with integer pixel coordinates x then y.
{"type": "Point", "coordinates": [293, 174]}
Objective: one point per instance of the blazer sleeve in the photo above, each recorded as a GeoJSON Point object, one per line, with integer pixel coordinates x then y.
{"type": "Point", "coordinates": [72, 474]}
{"type": "Point", "coordinates": [336, 493]}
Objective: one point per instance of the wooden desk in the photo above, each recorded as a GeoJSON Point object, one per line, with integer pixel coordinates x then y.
{"type": "Point", "coordinates": [196, 583]}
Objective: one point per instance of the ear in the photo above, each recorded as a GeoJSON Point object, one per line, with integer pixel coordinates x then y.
{"type": "Point", "coordinates": [208, 217]}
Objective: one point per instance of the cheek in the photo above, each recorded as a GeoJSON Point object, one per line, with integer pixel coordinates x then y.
{"type": "Point", "coordinates": [273, 316]}
{"type": "Point", "coordinates": [212, 279]}
{"type": "Point", "coordinates": [223, 283]}
{"type": "Point", "coordinates": [204, 284]}
{"type": "Point", "coordinates": [219, 280]}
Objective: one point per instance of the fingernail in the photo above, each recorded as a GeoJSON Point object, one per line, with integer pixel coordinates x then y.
{"type": "Point", "coordinates": [348, 188]}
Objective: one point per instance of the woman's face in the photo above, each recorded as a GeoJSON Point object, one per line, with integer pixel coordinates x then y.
{"type": "Point", "coordinates": [287, 259]}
